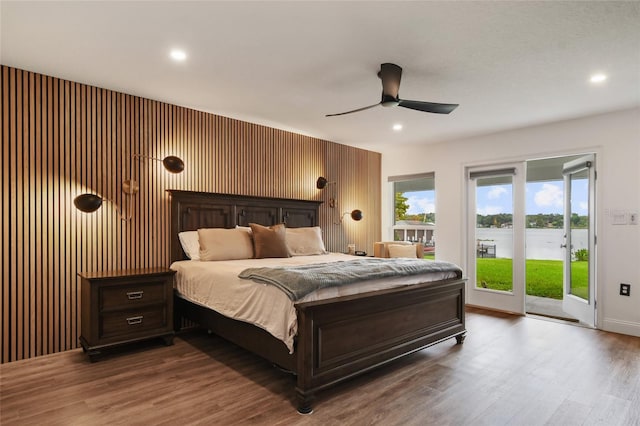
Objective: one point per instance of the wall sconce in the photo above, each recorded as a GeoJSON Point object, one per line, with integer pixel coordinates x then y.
{"type": "Point", "coordinates": [322, 183]}
{"type": "Point", "coordinates": [356, 214]}
{"type": "Point", "coordinates": [172, 163]}
{"type": "Point", "coordinates": [89, 203]}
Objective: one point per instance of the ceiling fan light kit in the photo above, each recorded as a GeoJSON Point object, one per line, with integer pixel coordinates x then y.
{"type": "Point", "coordinates": [391, 74]}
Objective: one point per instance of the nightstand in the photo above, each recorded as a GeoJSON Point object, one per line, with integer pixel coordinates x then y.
{"type": "Point", "coordinates": [125, 306]}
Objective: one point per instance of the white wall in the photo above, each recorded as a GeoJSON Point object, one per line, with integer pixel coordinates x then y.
{"type": "Point", "coordinates": [615, 137]}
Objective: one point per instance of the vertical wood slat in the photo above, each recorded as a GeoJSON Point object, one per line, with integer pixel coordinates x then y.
{"type": "Point", "coordinates": [61, 139]}
{"type": "Point", "coordinates": [19, 214]}
{"type": "Point", "coordinates": [31, 218]}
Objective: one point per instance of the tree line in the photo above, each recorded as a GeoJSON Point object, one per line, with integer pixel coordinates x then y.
{"type": "Point", "coordinates": [501, 220]}
{"type": "Point", "coordinates": [540, 220]}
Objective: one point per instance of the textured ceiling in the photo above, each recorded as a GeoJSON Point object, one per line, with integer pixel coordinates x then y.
{"type": "Point", "coordinates": [287, 64]}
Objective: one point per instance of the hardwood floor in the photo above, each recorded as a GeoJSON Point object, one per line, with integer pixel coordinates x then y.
{"type": "Point", "coordinates": [510, 371]}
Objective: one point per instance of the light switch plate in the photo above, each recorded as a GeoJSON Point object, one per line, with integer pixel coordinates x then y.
{"type": "Point", "coordinates": [633, 218]}
{"type": "Point", "coordinates": [618, 217]}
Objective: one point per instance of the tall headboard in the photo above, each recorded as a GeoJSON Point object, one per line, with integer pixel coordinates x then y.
{"type": "Point", "coordinates": [193, 210]}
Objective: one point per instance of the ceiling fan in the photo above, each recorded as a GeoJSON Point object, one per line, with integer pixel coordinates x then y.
{"type": "Point", "coordinates": [390, 75]}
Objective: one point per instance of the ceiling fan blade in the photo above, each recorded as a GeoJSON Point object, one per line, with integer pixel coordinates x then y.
{"type": "Point", "coordinates": [355, 110]}
{"type": "Point", "coordinates": [428, 106]}
{"type": "Point", "coordinates": [390, 74]}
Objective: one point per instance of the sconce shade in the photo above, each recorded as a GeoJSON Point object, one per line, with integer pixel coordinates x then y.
{"type": "Point", "coordinates": [321, 182]}
{"type": "Point", "coordinates": [356, 215]}
{"type": "Point", "coordinates": [87, 203]}
{"type": "Point", "coordinates": [173, 164]}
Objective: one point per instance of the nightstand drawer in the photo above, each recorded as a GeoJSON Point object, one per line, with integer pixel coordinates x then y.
{"type": "Point", "coordinates": [133, 322]}
{"type": "Point", "coordinates": [127, 296]}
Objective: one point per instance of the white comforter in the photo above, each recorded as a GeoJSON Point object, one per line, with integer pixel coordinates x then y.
{"type": "Point", "coordinates": [216, 285]}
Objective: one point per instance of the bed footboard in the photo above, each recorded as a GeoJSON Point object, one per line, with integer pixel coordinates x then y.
{"type": "Point", "coordinates": [339, 339]}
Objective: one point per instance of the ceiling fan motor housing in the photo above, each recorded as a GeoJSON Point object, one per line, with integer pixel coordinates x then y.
{"type": "Point", "coordinates": [389, 101]}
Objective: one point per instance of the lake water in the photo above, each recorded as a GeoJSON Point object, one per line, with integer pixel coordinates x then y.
{"type": "Point", "coordinates": [540, 243]}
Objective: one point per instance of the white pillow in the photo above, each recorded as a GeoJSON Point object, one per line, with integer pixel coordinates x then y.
{"type": "Point", "coordinates": [402, 250]}
{"type": "Point", "coordinates": [190, 244]}
{"type": "Point", "coordinates": [305, 241]}
{"type": "Point", "coordinates": [225, 244]}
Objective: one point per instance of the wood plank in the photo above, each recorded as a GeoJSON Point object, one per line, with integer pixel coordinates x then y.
{"type": "Point", "coordinates": [7, 119]}
{"type": "Point", "coordinates": [510, 370]}
{"type": "Point", "coordinates": [37, 219]}
{"type": "Point", "coordinates": [18, 219]}
{"type": "Point", "coordinates": [48, 221]}
{"type": "Point", "coordinates": [68, 226]}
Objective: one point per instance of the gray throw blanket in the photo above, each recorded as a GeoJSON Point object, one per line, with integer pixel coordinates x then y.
{"type": "Point", "coordinates": [298, 281]}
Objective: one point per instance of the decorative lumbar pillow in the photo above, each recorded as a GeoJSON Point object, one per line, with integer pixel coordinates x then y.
{"type": "Point", "coordinates": [190, 244]}
{"type": "Point", "coordinates": [224, 244]}
{"type": "Point", "coordinates": [305, 241]}
{"type": "Point", "coordinates": [269, 241]}
{"type": "Point", "coordinates": [402, 250]}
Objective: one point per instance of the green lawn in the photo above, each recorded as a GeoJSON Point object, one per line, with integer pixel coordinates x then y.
{"type": "Point", "coordinates": [544, 277]}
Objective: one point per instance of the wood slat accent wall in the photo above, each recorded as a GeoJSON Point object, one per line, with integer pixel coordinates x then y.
{"type": "Point", "coordinates": [61, 139]}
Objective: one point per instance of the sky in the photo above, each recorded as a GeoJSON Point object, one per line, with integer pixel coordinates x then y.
{"type": "Point", "coordinates": [541, 197]}
{"type": "Point", "coordinates": [421, 202]}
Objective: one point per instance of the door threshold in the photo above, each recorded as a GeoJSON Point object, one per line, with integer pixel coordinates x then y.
{"type": "Point", "coordinates": [556, 317]}
{"type": "Point", "coordinates": [559, 320]}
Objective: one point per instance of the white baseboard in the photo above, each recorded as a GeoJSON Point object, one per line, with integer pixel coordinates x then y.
{"type": "Point", "coordinates": [622, 327]}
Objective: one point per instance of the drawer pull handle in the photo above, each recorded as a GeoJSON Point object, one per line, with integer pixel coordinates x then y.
{"type": "Point", "coordinates": [134, 320]}
{"type": "Point", "coordinates": [132, 295]}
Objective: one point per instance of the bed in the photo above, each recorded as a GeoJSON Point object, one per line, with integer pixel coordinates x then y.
{"type": "Point", "coordinates": [337, 337]}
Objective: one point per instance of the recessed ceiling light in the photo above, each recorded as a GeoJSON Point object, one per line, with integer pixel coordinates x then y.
{"type": "Point", "coordinates": [178, 55]}
{"type": "Point", "coordinates": [598, 78]}
{"type": "Point", "coordinates": [397, 127]}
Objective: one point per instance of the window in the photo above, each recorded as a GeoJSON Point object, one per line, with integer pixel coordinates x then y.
{"type": "Point", "coordinates": [415, 209]}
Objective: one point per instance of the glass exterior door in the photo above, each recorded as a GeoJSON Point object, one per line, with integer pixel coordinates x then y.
{"type": "Point", "coordinates": [579, 239]}
{"type": "Point", "coordinates": [496, 239]}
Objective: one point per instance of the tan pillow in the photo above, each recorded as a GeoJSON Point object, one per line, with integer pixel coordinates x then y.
{"type": "Point", "coordinates": [305, 241]}
{"type": "Point", "coordinates": [269, 241]}
{"type": "Point", "coordinates": [402, 250]}
{"type": "Point", "coordinates": [224, 244]}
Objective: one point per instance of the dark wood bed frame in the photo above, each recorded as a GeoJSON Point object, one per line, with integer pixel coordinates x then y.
{"type": "Point", "coordinates": [337, 338]}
